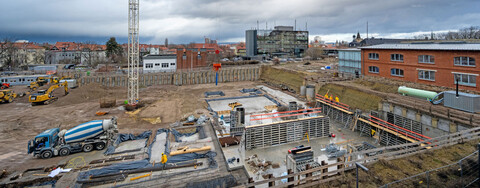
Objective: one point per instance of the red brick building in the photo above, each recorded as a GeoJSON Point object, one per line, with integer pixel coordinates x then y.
{"type": "Point", "coordinates": [191, 58]}
{"type": "Point", "coordinates": [433, 64]}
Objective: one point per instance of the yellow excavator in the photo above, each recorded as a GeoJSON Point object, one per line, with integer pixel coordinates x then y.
{"type": "Point", "coordinates": [46, 96]}
{"type": "Point", "coordinates": [39, 82]}
{"type": "Point", "coordinates": [7, 95]}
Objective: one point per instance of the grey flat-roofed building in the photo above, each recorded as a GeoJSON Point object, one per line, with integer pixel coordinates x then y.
{"type": "Point", "coordinates": [350, 60]}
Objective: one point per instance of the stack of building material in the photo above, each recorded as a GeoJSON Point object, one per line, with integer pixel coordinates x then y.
{"type": "Point", "coordinates": [302, 157]}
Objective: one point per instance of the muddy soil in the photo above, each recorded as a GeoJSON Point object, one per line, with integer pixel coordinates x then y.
{"type": "Point", "coordinates": [21, 121]}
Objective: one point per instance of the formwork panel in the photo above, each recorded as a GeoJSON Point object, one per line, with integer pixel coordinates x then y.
{"type": "Point", "coordinates": [286, 132]}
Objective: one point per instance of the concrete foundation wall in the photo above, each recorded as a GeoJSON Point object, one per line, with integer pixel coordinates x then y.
{"type": "Point", "coordinates": [178, 78]}
{"type": "Point", "coordinates": [431, 126]}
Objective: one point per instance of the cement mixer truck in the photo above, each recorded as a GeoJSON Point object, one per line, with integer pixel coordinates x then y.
{"type": "Point", "coordinates": [84, 137]}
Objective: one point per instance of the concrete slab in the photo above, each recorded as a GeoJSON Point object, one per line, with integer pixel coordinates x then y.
{"type": "Point", "coordinates": [251, 105]}
{"type": "Point", "coordinates": [281, 96]}
{"type": "Point", "coordinates": [230, 152]}
{"type": "Point", "coordinates": [131, 145]}
{"type": "Point", "coordinates": [158, 147]}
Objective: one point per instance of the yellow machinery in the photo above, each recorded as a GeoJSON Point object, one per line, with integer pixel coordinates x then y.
{"type": "Point", "coordinates": [39, 82]}
{"type": "Point", "coordinates": [46, 96]}
{"type": "Point", "coordinates": [234, 104]}
{"type": "Point", "coordinates": [7, 95]}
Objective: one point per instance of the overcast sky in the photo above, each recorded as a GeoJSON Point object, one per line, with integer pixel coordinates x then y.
{"type": "Point", "coordinates": [184, 21]}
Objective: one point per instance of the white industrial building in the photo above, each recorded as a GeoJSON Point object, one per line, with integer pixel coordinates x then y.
{"type": "Point", "coordinates": [159, 63]}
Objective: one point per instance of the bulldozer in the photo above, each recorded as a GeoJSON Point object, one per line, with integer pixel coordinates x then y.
{"type": "Point", "coordinates": [41, 81]}
{"type": "Point", "coordinates": [7, 95]}
{"type": "Point", "coordinates": [46, 96]}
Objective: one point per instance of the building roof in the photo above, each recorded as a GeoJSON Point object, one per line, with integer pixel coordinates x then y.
{"type": "Point", "coordinates": [349, 49]}
{"type": "Point", "coordinates": [431, 46]}
{"type": "Point", "coordinates": [163, 56]}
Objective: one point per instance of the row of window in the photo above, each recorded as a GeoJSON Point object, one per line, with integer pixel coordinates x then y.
{"type": "Point", "coordinates": [15, 80]}
{"type": "Point", "coordinates": [461, 61]}
{"type": "Point", "coordinates": [463, 79]}
{"type": "Point", "coordinates": [164, 65]}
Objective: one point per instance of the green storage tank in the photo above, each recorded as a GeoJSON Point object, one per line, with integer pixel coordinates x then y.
{"type": "Point", "coordinates": [417, 93]}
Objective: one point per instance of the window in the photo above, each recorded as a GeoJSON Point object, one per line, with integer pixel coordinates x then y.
{"type": "Point", "coordinates": [164, 65]}
{"type": "Point", "coordinates": [172, 64]}
{"type": "Point", "coordinates": [373, 56]}
{"type": "Point", "coordinates": [149, 65]}
{"type": "Point", "coordinates": [426, 59]}
{"type": "Point", "coordinates": [464, 61]}
{"type": "Point", "coordinates": [426, 75]}
{"type": "Point", "coordinates": [397, 72]}
{"type": "Point", "coordinates": [157, 64]}
{"type": "Point", "coordinates": [396, 57]}
{"type": "Point", "coordinates": [373, 69]}
{"type": "Point", "coordinates": [465, 79]}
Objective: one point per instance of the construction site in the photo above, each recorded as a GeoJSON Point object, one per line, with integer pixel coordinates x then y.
{"type": "Point", "coordinates": [260, 126]}
{"type": "Point", "coordinates": [290, 124]}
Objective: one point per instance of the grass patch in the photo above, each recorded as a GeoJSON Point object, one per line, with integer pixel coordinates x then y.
{"type": "Point", "coordinates": [292, 79]}
{"type": "Point", "coordinates": [352, 97]}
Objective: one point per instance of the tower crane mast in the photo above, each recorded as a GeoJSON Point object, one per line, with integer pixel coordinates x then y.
{"type": "Point", "coordinates": [133, 51]}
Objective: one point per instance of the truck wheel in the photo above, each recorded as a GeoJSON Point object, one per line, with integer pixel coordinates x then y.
{"type": "Point", "coordinates": [64, 152]}
{"type": "Point", "coordinates": [87, 147]}
{"type": "Point", "coordinates": [46, 154]}
{"type": "Point", "coordinates": [100, 146]}
{"type": "Point", "coordinates": [10, 100]}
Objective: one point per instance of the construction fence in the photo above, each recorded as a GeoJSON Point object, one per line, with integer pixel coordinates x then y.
{"type": "Point", "coordinates": [177, 78]}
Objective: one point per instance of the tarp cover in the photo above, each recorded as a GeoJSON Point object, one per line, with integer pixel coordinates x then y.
{"type": "Point", "coordinates": [131, 165]}
{"type": "Point", "coordinates": [124, 137]}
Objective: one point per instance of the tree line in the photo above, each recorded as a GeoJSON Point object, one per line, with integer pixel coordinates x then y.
{"type": "Point", "coordinates": [472, 32]}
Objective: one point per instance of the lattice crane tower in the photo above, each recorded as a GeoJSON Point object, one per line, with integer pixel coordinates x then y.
{"type": "Point", "coordinates": [133, 51]}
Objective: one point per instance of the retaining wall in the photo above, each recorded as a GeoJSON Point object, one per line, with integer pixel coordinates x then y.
{"type": "Point", "coordinates": [177, 78]}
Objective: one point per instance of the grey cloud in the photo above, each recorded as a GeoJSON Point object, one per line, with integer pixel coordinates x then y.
{"type": "Point", "coordinates": [186, 20]}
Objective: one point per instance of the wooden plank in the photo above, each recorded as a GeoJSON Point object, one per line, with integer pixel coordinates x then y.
{"type": "Point", "coordinates": [388, 130]}
{"type": "Point", "coordinates": [178, 152]}
{"type": "Point", "coordinates": [343, 110]}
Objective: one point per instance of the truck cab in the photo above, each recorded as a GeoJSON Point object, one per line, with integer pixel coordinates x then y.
{"type": "Point", "coordinates": [44, 143]}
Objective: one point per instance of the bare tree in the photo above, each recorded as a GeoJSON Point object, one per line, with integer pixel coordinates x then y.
{"type": "Point", "coordinates": [472, 32]}
{"type": "Point", "coordinates": [89, 53]}
{"type": "Point", "coordinates": [8, 53]}
{"type": "Point", "coordinates": [315, 52]}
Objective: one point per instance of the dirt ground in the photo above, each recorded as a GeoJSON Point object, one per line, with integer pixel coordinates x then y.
{"type": "Point", "coordinates": [22, 122]}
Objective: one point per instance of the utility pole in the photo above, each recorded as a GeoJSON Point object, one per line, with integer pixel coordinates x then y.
{"type": "Point", "coordinates": [133, 51]}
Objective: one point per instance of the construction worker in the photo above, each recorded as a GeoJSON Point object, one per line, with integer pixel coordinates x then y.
{"type": "Point", "coordinates": [326, 96]}
{"type": "Point", "coordinates": [164, 160]}
{"type": "Point", "coordinates": [331, 98]}
{"type": "Point", "coordinates": [336, 99]}
{"type": "Point", "coordinates": [373, 132]}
